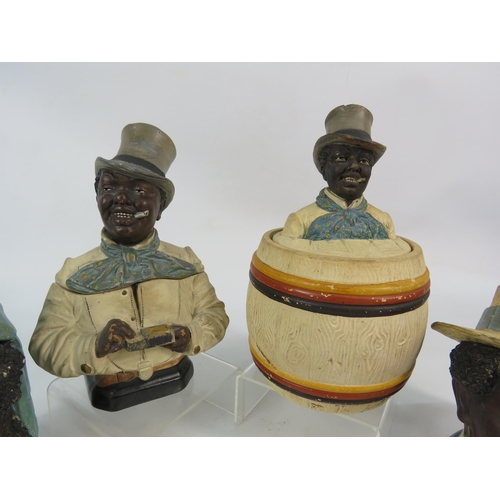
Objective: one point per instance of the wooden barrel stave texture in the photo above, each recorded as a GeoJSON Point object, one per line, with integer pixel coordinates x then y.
{"type": "Point", "coordinates": [341, 352]}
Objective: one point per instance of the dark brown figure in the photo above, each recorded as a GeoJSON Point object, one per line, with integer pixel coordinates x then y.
{"type": "Point", "coordinates": [347, 170]}
{"type": "Point", "coordinates": [119, 199]}
{"type": "Point", "coordinates": [475, 369]}
{"type": "Point", "coordinates": [129, 313]}
{"type": "Point", "coordinates": [344, 156]}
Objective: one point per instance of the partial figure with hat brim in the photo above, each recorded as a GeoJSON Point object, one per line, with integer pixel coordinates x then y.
{"type": "Point", "coordinates": [129, 313]}
{"type": "Point", "coordinates": [345, 157]}
{"type": "Point", "coordinates": [475, 371]}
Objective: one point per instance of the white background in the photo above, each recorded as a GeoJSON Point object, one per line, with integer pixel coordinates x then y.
{"type": "Point", "coordinates": [244, 135]}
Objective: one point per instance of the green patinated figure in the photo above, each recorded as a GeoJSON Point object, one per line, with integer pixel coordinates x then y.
{"type": "Point", "coordinates": [22, 409]}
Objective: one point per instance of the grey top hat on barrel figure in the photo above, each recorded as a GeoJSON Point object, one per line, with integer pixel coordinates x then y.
{"type": "Point", "coordinates": [344, 156]}
{"type": "Point", "coordinates": [348, 124]}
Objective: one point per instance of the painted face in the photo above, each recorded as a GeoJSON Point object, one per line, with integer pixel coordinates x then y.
{"type": "Point", "coordinates": [348, 170]}
{"type": "Point", "coordinates": [480, 413]}
{"type": "Point", "coordinates": [120, 199]}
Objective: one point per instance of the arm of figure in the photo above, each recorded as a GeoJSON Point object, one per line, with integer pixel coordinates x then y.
{"type": "Point", "coordinates": [389, 225]}
{"type": "Point", "coordinates": [182, 338]}
{"type": "Point", "coordinates": [112, 337]}
{"type": "Point", "coordinates": [384, 218]}
{"type": "Point", "coordinates": [294, 227]}
{"type": "Point", "coordinates": [209, 318]}
{"type": "Point", "coordinates": [58, 344]}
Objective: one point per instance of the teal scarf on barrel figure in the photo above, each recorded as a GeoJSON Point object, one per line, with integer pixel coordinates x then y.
{"type": "Point", "coordinates": [126, 266]}
{"type": "Point", "coordinates": [344, 223]}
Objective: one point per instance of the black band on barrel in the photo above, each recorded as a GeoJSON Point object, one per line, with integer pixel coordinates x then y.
{"type": "Point", "coordinates": [346, 310]}
{"type": "Point", "coordinates": [336, 401]}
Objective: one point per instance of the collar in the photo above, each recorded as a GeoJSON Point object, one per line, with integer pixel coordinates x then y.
{"type": "Point", "coordinates": [340, 201]}
{"type": "Point", "coordinates": [143, 244]}
{"type": "Point", "coordinates": [127, 265]}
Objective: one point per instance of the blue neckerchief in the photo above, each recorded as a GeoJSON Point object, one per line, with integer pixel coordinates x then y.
{"type": "Point", "coordinates": [344, 223]}
{"type": "Point", "coordinates": [126, 266]}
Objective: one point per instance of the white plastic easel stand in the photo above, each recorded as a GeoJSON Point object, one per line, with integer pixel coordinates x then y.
{"type": "Point", "coordinates": [71, 413]}
{"type": "Point", "coordinates": [256, 400]}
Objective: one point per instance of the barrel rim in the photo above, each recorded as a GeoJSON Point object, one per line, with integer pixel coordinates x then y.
{"type": "Point", "coordinates": [326, 291]}
{"type": "Point", "coordinates": [329, 286]}
{"type": "Point", "coordinates": [416, 250]}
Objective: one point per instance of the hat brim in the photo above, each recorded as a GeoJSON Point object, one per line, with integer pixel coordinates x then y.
{"type": "Point", "coordinates": [377, 149]}
{"type": "Point", "coordinates": [462, 334]}
{"type": "Point", "coordinates": [138, 172]}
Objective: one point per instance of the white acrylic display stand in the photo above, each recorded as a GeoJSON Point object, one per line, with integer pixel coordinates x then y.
{"type": "Point", "coordinates": [218, 401]}
{"type": "Point", "coordinates": [209, 394]}
{"type": "Point", "coordinates": [256, 400]}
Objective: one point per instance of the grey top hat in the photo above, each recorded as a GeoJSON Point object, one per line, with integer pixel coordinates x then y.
{"type": "Point", "coordinates": [145, 153]}
{"type": "Point", "coordinates": [487, 330]}
{"type": "Point", "coordinates": [349, 124]}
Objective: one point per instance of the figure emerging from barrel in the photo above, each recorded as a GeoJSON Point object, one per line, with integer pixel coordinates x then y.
{"type": "Point", "coordinates": [337, 302]}
{"type": "Point", "coordinates": [345, 157]}
{"type": "Point", "coordinates": [475, 371]}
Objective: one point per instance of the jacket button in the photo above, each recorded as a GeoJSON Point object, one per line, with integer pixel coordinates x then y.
{"type": "Point", "coordinates": [124, 292]}
{"type": "Point", "coordinates": [197, 349]}
{"type": "Point", "coordinates": [86, 368]}
{"type": "Point", "coordinates": [132, 319]}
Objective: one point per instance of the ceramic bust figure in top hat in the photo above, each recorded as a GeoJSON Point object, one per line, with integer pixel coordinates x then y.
{"type": "Point", "coordinates": [345, 157]}
{"type": "Point", "coordinates": [475, 371]}
{"type": "Point", "coordinates": [337, 302]}
{"type": "Point", "coordinates": [129, 313]}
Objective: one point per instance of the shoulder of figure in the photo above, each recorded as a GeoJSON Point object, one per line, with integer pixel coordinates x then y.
{"type": "Point", "coordinates": [72, 265]}
{"type": "Point", "coordinates": [384, 218]}
{"type": "Point", "coordinates": [309, 209]}
{"type": "Point", "coordinates": [184, 253]}
{"type": "Point", "coordinates": [377, 213]}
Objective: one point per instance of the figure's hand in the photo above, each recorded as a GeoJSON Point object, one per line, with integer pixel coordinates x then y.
{"type": "Point", "coordinates": [182, 338]}
{"type": "Point", "coordinates": [112, 337]}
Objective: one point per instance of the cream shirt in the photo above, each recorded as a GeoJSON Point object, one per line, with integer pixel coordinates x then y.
{"type": "Point", "coordinates": [298, 223]}
{"type": "Point", "coordinates": [64, 339]}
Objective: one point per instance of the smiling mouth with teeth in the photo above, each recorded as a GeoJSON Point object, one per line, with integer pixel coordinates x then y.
{"type": "Point", "coordinates": [352, 179]}
{"type": "Point", "coordinates": [137, 215]}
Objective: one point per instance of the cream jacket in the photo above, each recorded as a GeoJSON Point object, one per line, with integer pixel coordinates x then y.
{"type": "Point", "coordinates": [64, 339]}
{"type": "Point", "coordinates": [297, 224]}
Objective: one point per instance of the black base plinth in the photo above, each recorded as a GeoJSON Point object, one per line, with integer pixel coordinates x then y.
{"type": "Point", "coordinates": [126, 394]}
